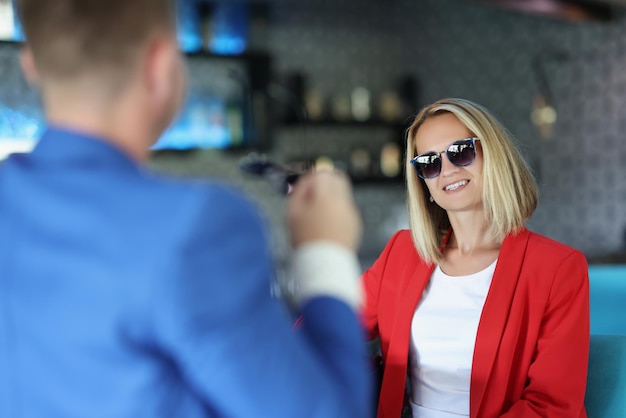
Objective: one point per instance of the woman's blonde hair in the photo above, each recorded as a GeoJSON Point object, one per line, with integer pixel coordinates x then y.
{"type": "Point", "coordinates": [510, 191]}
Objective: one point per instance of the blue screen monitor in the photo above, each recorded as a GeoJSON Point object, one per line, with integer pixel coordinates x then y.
{"type": "Point", "coordinates": [214, 115]}
{"type": "Point", "coordinates": [217, 27]}
{"type": "Point", "coordinates": [216, 110]}
{"type": "Point", "coordinates": [10, 28]}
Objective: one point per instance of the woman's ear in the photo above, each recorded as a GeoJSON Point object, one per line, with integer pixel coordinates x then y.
{"type": "Point", "coordinates": [29, 69]}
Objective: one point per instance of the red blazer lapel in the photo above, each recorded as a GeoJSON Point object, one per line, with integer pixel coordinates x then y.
{"type": "Point", "coordinates": [492, 320]}
{"type": "Point", "coordinates": [394, 377]}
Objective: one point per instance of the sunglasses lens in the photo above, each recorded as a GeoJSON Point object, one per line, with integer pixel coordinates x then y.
{"type": "Point", "coordinates": [462, 153]}
{"type": "Point", "coordinates": [428, 165]}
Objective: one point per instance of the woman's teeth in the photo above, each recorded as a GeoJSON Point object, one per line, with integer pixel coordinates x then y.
{"type": "Point", "coordinates": [456, 185]}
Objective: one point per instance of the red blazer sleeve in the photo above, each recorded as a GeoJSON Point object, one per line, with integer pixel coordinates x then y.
{"type": "Point", "coordinates": [558, 373]}
{"type": "Point", "coordinates": [371, 281]}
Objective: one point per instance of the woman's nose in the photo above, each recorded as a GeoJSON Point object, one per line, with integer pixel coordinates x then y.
{"type": "Point", "coordinates": [447, 168]}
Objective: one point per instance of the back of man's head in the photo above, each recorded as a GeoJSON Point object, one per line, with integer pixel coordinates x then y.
{"type": "Point", "coordinates": [73, 38]}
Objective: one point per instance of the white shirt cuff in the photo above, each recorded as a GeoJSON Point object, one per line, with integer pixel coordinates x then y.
{"type": "Point", "coordinates": [323, 268]}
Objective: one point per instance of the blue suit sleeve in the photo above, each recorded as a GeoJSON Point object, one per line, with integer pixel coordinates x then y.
{"type": "Point", "coordinates": [234, 344]}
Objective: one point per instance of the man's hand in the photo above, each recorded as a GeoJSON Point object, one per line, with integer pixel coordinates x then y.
{"type": "Point", "coordinates": [321, 208]}
{"type": "Point", "coordinates": [325, 228]}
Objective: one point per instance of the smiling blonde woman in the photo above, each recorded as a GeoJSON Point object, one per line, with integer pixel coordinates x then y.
{"type": "Point", "coordinates": [477, 316]}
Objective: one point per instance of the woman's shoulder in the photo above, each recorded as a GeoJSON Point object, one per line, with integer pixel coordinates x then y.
{"type": "Point", "coordinates": [401, 236]}
{"type": "Point", "coordinates": [549, 248]}
{"type": "Point", "coordinates": [400, 246]}
{"type": "Point", "coordinates": [401, 241]}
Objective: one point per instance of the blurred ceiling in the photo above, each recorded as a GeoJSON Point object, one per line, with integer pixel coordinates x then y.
{"type": "Point", "coordinates": [572, 10]}
{"type": "Point", "coordinates": [616, 2]}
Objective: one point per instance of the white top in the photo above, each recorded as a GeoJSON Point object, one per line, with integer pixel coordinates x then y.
{"type": "Point", "coordinates": [443, 333]}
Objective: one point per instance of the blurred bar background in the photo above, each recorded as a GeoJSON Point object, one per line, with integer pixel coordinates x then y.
{"type": "Point", "coordinates": [308, 82]}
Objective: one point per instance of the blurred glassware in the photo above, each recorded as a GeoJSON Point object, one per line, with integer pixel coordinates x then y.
{"type": "Point", "coordinates": [390, 107]}
{"type": "Point", "coordinates": [340, 107]}
{"type": "Point", "coordinates": [360, 163]}
{"type": "Point", "coordinates": [314, 104]}
{"type": "Point", "coordinates": [390, 160]}
{"type": "Point", "coordinates": [360, 102]}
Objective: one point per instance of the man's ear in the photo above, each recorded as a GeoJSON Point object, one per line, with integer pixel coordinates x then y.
{"type": "Point", "coordinates": [158, 67]}
{"type": "Point", "coordinates": [29, 69]}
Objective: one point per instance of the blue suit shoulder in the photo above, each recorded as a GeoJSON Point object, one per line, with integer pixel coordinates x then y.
{"type": "Point", "coordinates": [197, 205]}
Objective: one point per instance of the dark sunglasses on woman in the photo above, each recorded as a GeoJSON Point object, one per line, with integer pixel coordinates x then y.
{"type": "Point", "coordinates": [461, 153]}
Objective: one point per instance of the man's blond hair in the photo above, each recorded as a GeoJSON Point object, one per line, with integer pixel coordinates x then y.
{"type": "Point", "coordinates": [72, 38]}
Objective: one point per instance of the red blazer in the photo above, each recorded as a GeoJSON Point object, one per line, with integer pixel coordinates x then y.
{"type": "Point", "coordinates": [532, 347]}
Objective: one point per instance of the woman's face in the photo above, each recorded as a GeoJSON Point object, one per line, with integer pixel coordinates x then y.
{"type": "Point", "coordinates": [455, 189]}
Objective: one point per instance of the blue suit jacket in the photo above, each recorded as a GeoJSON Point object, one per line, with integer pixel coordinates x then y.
{"type": "Point", "coordinates": [124, 294]}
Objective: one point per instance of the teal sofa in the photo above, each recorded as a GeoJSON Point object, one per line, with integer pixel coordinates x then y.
{"type": "Point", "coordinates": [607, 299]}
{"type": "Point", "coordinates": [606, 380]}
